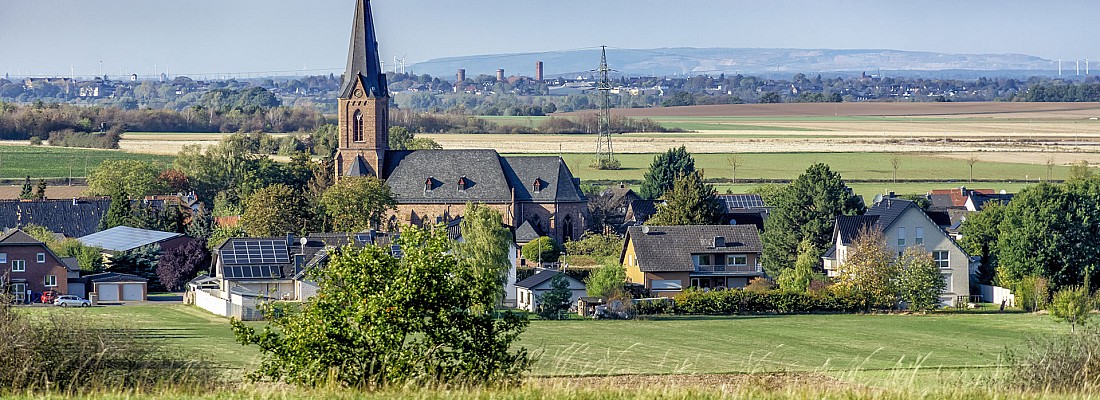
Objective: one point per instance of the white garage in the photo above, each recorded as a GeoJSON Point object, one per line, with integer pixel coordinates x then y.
{"type": "Point", "coordinates": [111, 287]}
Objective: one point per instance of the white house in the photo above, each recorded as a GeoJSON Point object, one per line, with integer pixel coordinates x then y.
{"type": "Point", "coordinates": [529, 290]}
{"type": "Point", "coordinates": [905, 224]}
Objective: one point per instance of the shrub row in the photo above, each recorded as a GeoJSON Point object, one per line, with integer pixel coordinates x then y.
{"type": "Point", "coordinates": [737, 301]}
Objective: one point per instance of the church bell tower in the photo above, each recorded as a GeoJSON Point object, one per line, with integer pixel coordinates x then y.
{"type": "Point", "coordinates": [363, 132]}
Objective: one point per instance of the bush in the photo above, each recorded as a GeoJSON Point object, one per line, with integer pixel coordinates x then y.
{"type": "Point", "coordinates": [71, 138]}
{"type": "Point", "coordinates": [65, 353]}
{"type": "Point", "coordinates": [544, 249]}
{"type": "Point", "coordinates": [738, 301]}
{"type": "Point", "coordinates": [1057, 363]}
{"type": "Point", "coordinates": [1032, 293]}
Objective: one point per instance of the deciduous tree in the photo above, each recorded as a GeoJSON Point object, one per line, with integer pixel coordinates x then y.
{"type": "Point", "coordinates": [869, 270]}
{"type": "Point", "coordinates": [920, 282]}
{"type": "Point", "coordinates": [274, 211]}
{"type": "Point", "coordinates": [544, 249]}
{"type": "Point", "coordinates": [136, 178]}
{"type": "Point", "coordinates": [179, 265]}
{"type": "Point", "coordinates": [484, 251]}
{"type": "Point", "coordinates": [356, 204]}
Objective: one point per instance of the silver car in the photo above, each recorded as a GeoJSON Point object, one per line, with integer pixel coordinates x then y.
{"type": "Point", "coordinates": [71, 300]}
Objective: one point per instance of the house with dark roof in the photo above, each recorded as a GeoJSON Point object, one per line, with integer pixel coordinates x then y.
{"type": "Point", "coordinates": [72, 217]}
{"type": "Point", "coordinates": [433, 186]}
{"type": "Point", "coordinates": [668, 259]}
{"type": "Point", "coordinates": [905, 224]}
{"type": "Point", "coordinates": [28, 267]}
{"type": "Point", "coordinates": [528, 291]}
{"type": "Point", "coordinates": [639, 211]}
{"type": "Point", "coordinates": [744, 209]}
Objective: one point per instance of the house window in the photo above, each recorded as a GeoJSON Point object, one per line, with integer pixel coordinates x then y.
{"type": "Point", "coordinates": [946, 283]}
{"type": "Point", "coordinates": [3, 258]}
{"type": "Point", "coordinates": [51, 280]}
{"type": "Point", "coordinates": [537, 186]}
{"type": "Point", "coordinates": [919, 240]}
{"type": "Point", "coordinates": [738, 260]}
{"type": "Point", "coordinates": [18, 266]}
{"type": "Point", "coordinates": [41, 258]}
{"type": "Point", "coordinates": [941, 258]}
{"type": "Point", "coordinates": [901, 237]}
{"type": "Point", "coordinates": [704, 259]}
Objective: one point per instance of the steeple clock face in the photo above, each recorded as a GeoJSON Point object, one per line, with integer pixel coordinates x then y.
{"type": "Point", "coordinates": [358, 93]}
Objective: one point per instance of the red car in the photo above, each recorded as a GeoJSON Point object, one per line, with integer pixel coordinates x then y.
{"type": "Point", "coordinates": [49, 296]}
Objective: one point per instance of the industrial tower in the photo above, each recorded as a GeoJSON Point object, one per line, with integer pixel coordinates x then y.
{"type": "Point", "coordinates": [605, 153]}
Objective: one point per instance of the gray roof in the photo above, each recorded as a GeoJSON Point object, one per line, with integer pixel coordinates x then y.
{"type": "Point", "coordinates": [363, 61]}
{"type": "Point", "coordinates": [888, 210]}
{"type": "Point", "coordinates": [849, 226]}
{"type": "Point", "coordinates": [114, 277]}
{"type": "Point", "coordinates": [432, 176]}
{"type": "Point", "coordinates": [980, 199]}
{"type": "Point", "coordinates": [71, 217]}
{"type": "Point", "coordinates": [527, 233]}
{"type": "Point", "coordinates": [556, 182]}
{"type": "Point", "coordinates": [124, 238]}
{"type": "Point", "coordinates": [669, 248]}
{"type": "Point", "coordinates": [541, 277]}
{"type": "Point", "coordinates": [642, 209]}
{"type": "Point", "coordinates": [16, 236]}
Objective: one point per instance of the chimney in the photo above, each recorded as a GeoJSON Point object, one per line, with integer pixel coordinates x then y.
{"type": "Point", "coordinates": [719, 241]}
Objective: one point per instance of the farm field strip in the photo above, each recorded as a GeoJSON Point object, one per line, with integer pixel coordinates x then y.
{"type": "Point", "coordinates": [19, 161]}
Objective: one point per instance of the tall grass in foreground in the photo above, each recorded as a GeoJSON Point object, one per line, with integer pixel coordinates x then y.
{"type": "Point", "coordinates": [66, 354]}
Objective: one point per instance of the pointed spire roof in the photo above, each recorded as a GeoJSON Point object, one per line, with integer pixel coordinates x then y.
{"type": "Point", "coordinates": [359, 167]}
{"type": "Point", "coordinates": [363, 61]}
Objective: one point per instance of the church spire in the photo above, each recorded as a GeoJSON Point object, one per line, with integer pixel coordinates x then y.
{"type": "Point", "coordinates": [363, 61]}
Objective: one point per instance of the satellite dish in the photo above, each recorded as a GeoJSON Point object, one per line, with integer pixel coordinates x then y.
{"type": "Point", "coordinates": [645, 229]}
{"type": "Point", "coordinates": [733, 222]}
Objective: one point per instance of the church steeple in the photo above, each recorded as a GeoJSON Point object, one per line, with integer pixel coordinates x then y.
{"type": "Point", "coordinates": [363, 62]}
{"type": "Point", "coordinates": [364, 102]}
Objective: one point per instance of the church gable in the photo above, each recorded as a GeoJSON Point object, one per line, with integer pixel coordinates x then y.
{"type": "Point", "coordinates": [541, 179]}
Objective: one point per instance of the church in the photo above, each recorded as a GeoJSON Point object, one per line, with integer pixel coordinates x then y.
{"type": "Point", "coordinates": [434, 186]}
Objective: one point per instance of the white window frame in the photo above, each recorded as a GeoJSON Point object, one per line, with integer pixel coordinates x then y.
{"type": "Point", "coordinates": [22, 266]}
{"type": "Point", "coordinates": [901, 236]}
{"type": "Point", "coordinates": [50, 281]}
{"type": "Point", "coordinates": [732, 260]}
{"type": "Point", "coordinates": [41, 258]}
{"type": "Point", "coordinates": [919, 239]}
{"type": "Point", "coordinates": [942, 263]}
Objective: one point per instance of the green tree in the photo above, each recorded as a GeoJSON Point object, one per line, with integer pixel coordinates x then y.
{"type": "Point", "coordinates": [798, 279]}
{"type": "Point", "coordinates": [979, 238]}
{"type": "Point", "coordinates": [141, 261]}
{"type": "Point", "coordinates": [544, 249]}
{"type": "Point", "coordinates": [805, 210]}
{"type": "Point", "coordinates": [356, 204]}
{"type": "Point", "coordinates": [26, 193]}
{"type": "Point", "coordinates": [485, 250]}
{"type": "Point", "coordinates": [1080, 170]}
{"type": "Point", "coordinates": [557, 300]}
{"type": "Point", "coordinates": [136, 178]}
{"type": "Point", "coordinates": [606, 281]}
{"type": "Point", "coordinates": [663, 172]}
{"type": "Point", "coordinates": [118, 213]}
{"type": "Point", "coordinates": [869, 271]}
{"type": "Point", "coordinates": [274, 211]}
{"type": "Point", "coordinates": [1072, 305]}
{"type": "Point", "coordinates": [920, 282]}
{"type": "Point", "coordinates": [399, 138]}
{"type": "Point", "coordinates": [220, 234]}
{"type": "Point", "coordinates": [690, 202]}
{"type": "Point", "coordinates": [1032, 293]}
{"type": "Point", "coordinates": [770, 98]}
{"type": "Point", "coordinates": [380, 322]}
{"type": "Point", "coordinates": [40, 192]}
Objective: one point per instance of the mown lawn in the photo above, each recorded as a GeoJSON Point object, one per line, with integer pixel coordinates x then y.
{"type": "Point", "coordinates": [60, 162]}
{"type": "Point", "coordinates": [852, 166]}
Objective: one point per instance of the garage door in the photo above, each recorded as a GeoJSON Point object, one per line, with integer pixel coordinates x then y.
{"type": "Point", "coordinates": [132, 292]}
{"type": "Point", "coordinates": [107, 291]}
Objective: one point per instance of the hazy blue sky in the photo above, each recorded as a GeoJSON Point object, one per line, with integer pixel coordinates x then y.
{"type": "Point", "coordinates": [217, 36]}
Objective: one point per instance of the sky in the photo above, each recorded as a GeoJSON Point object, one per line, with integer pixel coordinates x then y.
{"type": "Point", "coordinates": [296, 37]}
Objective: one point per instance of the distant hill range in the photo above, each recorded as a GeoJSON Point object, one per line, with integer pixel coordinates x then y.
{"type": "Point", "coordinates": [759, 62]}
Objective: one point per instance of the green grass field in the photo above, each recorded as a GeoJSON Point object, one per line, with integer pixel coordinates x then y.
{"type": "Point", "coordinates": [59, 162]}
{"type": "Point", "coordinates": [800, 356]}
{"type": "Point", "coordinates": [869, 190]}
{"type": "Point", "coordinates": [851, 166]}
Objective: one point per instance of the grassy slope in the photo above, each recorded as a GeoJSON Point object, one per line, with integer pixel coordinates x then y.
{"type": "Point", "coordinates": [858, 166]}
{"type": "Point", "coordinates": [55, 162]}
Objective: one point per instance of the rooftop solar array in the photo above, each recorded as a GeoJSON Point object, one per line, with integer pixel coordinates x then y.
{"type": "Point", "coordinates": [256, 252]}
{"type": "Point", "coordinates": [123, 238]}
{"type": "Point", "coordinates": [742, 201]}
{"type": "Point", "coordinates": [253, 271]}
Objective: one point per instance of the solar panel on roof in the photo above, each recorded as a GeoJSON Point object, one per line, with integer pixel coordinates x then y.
{"type": "Point", "coordinates": [733, 202]}
{"type": "Point", "coordinates": [253, 271]}
{"type": "Point", "coordinates": [257, 252]}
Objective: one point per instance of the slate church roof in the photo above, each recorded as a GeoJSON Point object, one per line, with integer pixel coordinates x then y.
{"type": "Point", "coordinates": [71, 217]}
{"type": "Point", "coordinates": [459, 176]}
{"type": "Point", "coordinates": [363, 62]}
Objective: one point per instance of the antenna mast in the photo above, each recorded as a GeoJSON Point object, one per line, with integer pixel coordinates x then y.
{"type": "Point", "coordinates": [605, 153]}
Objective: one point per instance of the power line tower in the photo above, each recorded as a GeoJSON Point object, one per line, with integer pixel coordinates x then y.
{"type": "Point", "coordinates": [605, 153]}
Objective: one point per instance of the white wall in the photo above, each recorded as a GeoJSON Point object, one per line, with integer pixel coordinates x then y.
{"type": "Point", "coordinates": [575, 286]}
{"type": "Point", "coordinates": [212, 303]}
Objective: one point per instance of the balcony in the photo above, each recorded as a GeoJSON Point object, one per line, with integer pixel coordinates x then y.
{"type": "Point", "coordinates": [729, 269]}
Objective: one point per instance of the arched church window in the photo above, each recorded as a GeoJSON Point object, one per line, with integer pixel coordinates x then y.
{"type": "Point", "coordinates": [357, 126]}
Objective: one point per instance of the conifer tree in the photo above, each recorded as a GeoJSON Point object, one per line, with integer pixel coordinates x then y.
{"type": "Point", "coordinates": [690, 202]}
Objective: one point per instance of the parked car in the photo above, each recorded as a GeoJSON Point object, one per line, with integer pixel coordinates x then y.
{"type": "Point", "coordinates": [71, 300]}
{"type": "Point", "coordinates": [48, 297]}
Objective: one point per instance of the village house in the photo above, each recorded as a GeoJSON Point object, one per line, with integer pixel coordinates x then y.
{"type": "Point", "coordinates": [905, 224]}
{"type": "Point", "coordinates": [530, 290]}
{"type": "Point", "coordinates": [31, 268]}
{"type": "Point", "coordinates": [668, 259]}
